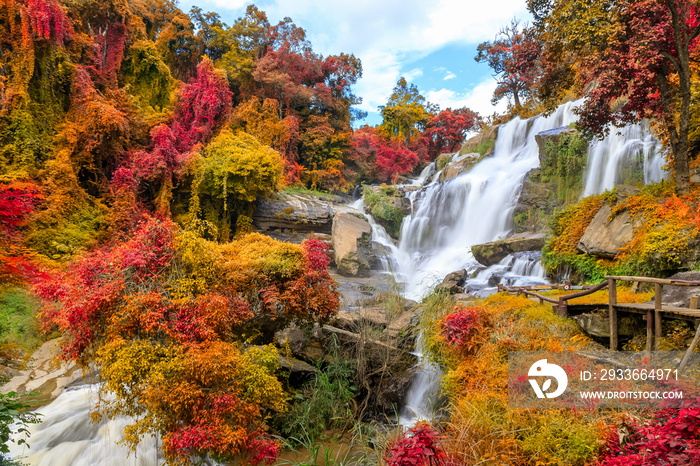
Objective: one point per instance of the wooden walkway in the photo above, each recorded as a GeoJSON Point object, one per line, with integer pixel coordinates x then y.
{"type": "Point", "coordinates": [653, 312]}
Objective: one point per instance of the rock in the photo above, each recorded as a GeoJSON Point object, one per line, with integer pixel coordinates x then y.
{"type": "Point", "coordinates": [552, 135]}
{"type": "Point", "coordinates": [297, 213]}
{"type": "Point", "coordinates": [495, 279]}
{"type": "Point", "coordinates": [351, 320]}
{"type": "Point", "coordinates": [598, 325]}
{"type": "Point", "coordinates": [482, 143]}
{"type": "Point", "coordinates": [459, 164]}
{"type": "Point", "coordinates": [294, 365]}
{"type": "Point", "coordinates": [536, 203]}
{"type": "Point", "coordinates": [393, 196]}
{"type": "Point", "coordinates": [492, 253]}
{"type": "Point", "coordinates": [292, 337]}
{"type": "Point", "coordinates": [454, 282]}
{"type": "Point", "coordinates": [680, 295]}
{"type": "Point", "coordinates": [352, 244]}
{"type": "Point", "coordinates": [42, 375]}
{"type": "Point", "coordinates": [400, 328]}
{"type": "Point", "coordinates": [605, 238]}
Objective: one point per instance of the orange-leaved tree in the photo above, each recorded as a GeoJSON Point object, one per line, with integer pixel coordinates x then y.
{"type": "Point", "coordinates": [164, 316]}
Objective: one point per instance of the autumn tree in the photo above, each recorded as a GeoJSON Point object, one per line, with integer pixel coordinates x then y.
{"type": "Point", "coordinates": [446, 131]}
{"type": "Point", "coordinates": [644, 72]}
{"type": "Point", "coordinates": [164, 315]}
{"type": "Point", "coordinates": [513, 57]}
{"type": "Point", "coordinates": [406, 112]}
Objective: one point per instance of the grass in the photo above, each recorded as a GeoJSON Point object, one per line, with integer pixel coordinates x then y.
{"type": "Point", "coordinates": [18, 322]}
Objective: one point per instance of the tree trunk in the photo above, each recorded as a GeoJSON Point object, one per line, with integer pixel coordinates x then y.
{"type": "Point", "coordinates": [682, 66]}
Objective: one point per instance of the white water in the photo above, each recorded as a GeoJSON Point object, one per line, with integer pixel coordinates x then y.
{"type": "Point", "coordinates": [631, 149]}
{"type": "Point", "coordinates": [65, 437]}
{"type": "Point", "coordinates": [476, 207]}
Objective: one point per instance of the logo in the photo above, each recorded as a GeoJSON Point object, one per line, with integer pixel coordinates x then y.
{"type": "Point", "coordinates": [543, 369]}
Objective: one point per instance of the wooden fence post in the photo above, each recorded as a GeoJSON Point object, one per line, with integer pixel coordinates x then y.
{"type": "Point", "coordinates": [657, 315]}
{"type": "Point", "coordinates": [563, 308]}
{"type": "Point", "coordinates": [612, 300]}
{"type": "Point", "coordinates": [691, 348]}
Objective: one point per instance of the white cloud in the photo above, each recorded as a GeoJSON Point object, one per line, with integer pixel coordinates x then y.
{"type": "Point", "coordinates": [477, 99]}
{"type": "Point", "coordinates": [411, 75]}
{"type": "Point", "coordinates": [449, 75]}
{"type": "Point", "coordinates": [389, 33]}
{"type": "Point", "coordinates": [386, 35]}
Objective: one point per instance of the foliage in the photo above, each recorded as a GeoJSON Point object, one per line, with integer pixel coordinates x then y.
{"type": "Point", "coordinates": [233, 171]}
{"type": "Point", "coordinates": [472, 345]}
{"type": "Point", "coordinates": [666, 227]}
{"type": "Point", "coordinates": [14, 420]}
{"type": "Point", "coordinates": [323, 404]}
{"type": "Point", "coordinates": [420, 447]}
{"type": "Point", "coordinates": [446, 131]}
{"type": "Point", "coordinates": [671, 437]}
{"type": "Point", "coordinates": [463, 328]}
{"type": "Point", "coordinates": [164, 314]}
{"type": "Point", "coordinates": [379, 159]}
{"type": "Point", "coordinates": [405, 114]}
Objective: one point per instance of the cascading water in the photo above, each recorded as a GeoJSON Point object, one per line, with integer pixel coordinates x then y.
{"type": "Point", "coordinates": [629, 155]}
{"type": "Point", "coordinates": [66, 437]}
{"type": "Point", "coordinates": [448, 218]}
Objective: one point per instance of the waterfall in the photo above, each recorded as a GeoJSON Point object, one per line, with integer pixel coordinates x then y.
{"type": "Point", "coordinates": [628, 155]}
{"type": "Point", "coordinates": [66, 436]}
{"type": "Point", "coordinates": [448, 218]}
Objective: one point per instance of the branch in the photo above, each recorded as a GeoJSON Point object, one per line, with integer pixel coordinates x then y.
{"type": "Point", "coordinates": [672, 59]}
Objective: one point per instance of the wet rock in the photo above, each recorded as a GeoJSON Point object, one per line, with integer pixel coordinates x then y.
{"type": "Point", "coordinates": [352, 244]}
{"type": "Point", "coordinates": [459, 165]}
{"type": "Point", "coordinates": [454, 282]}
{"type": "Point", "coordinates": [483, 143]}
{"type": "Point", "coordinates": [551, 136]}
{"type": "Point", "coordinates": [492, 253]}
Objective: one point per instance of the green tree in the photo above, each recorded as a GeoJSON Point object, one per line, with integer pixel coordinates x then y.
{"type": "Point", "coordinates": [406, 113]}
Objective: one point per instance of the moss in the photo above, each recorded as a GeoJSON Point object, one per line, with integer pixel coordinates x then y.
{"type": "Point", "coordinates": [563, 164]}
{"type": "Point", "coordinates": [485, 147]}
{"type": "Point", "coordinates": [380, 204]}
{"type": "Point", "coordinates": [18, 323]}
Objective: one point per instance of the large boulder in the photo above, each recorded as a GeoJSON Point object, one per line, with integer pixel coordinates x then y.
{"type": "Point", "coordinates": [680, 295]}
{"type": "Point", "coordinates": [292, 212]}
{"type": "Point", "coordinates": [454, 282]}
{"type": "Point", "coordinates": [598, 325]}
{"type": "Point", "coordinates": [459, 164]}
{"type": "Point", "coordinates": [494, 252]}
{"type": "Point", "coordinates": [483, 143]}
{"type": "Point", "coordinates": [551, 136]}
{"type": "Point", "coordinates": [604, 237]}
{"type": "Point", "coordinates": [351, 238]}
{"type": "Point", "coordinates": [537, 202]}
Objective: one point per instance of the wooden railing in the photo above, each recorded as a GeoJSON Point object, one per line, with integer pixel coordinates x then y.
{"type": "Point", "coordinates": [561, 301]}
{"type": "Point", "coordinates": [653, 314]}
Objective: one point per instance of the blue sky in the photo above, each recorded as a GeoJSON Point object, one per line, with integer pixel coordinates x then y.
{"type": "Point", "coordinates": [431, 43]}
